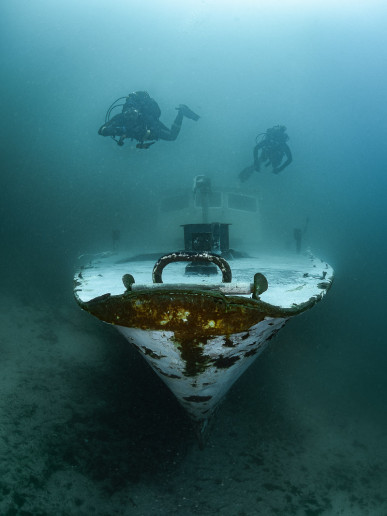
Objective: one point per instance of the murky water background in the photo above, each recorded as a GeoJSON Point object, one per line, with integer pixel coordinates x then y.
{"type": "Point", "coordinates": [85, 426]}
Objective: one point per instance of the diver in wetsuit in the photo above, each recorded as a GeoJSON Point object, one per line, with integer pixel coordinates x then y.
{"type": "Point", "coordinates": [270, 149]}
{"type": "Point", "coordinates": [139, 120]}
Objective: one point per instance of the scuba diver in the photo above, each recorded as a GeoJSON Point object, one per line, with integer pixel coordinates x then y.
{"type": "Point", "coordinates": [139, 120]}
{"type": "Point", "coordinates": [270, 149]}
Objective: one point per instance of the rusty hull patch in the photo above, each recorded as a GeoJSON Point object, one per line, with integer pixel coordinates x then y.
{"type": "Point", "coordinates": [187, 312]}
{"type": "Point", "coordinates": [197, 399]}
{"type": "Point", "coordinates": [151, 353]}
{"type": "Point", "coordinates": [228, 343]}
{"type": "Point", "coordinates": [192, 353]}
{"type": "Point", "coordinates": [225, 362]}
{"type": "Point", "coordinates": [193, 316]}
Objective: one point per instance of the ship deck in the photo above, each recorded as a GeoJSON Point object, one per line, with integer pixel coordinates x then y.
{"type": "Point", "coordinates": [293, 279]}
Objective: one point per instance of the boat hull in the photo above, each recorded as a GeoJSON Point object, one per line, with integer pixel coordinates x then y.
{"type": "Point", "coordinates": [200, 374]}
{"type": "Point", "coordinates": [201, 335]}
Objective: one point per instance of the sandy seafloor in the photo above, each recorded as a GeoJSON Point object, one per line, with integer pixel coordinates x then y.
{"type": "Point", "coordinates": [87, 428]}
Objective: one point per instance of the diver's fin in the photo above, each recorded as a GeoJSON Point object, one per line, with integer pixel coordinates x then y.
{"type": "Point", "coordinates": [187, 112]}
{"type": "Point", "coordinates": [246, 173]}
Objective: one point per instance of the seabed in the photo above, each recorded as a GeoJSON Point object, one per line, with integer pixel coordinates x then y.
{"type": "Point", "coordinates": [87, 428]}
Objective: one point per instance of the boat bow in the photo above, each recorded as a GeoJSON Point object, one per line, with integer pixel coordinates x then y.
{"type": "Point", "coordinates": [201, 335]}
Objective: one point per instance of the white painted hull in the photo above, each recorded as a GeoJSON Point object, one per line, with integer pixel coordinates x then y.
{"type": "Point", "coordinates": [196, 332]}
{"type": "Point", "coordinates": [199, 392]}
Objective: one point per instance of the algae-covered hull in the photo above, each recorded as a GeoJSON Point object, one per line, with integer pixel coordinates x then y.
{"type": "Point", "coordinates": [200, 332]}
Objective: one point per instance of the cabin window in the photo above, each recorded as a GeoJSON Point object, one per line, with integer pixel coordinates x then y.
{"type": "Point", "coordinates": [242, 202]}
